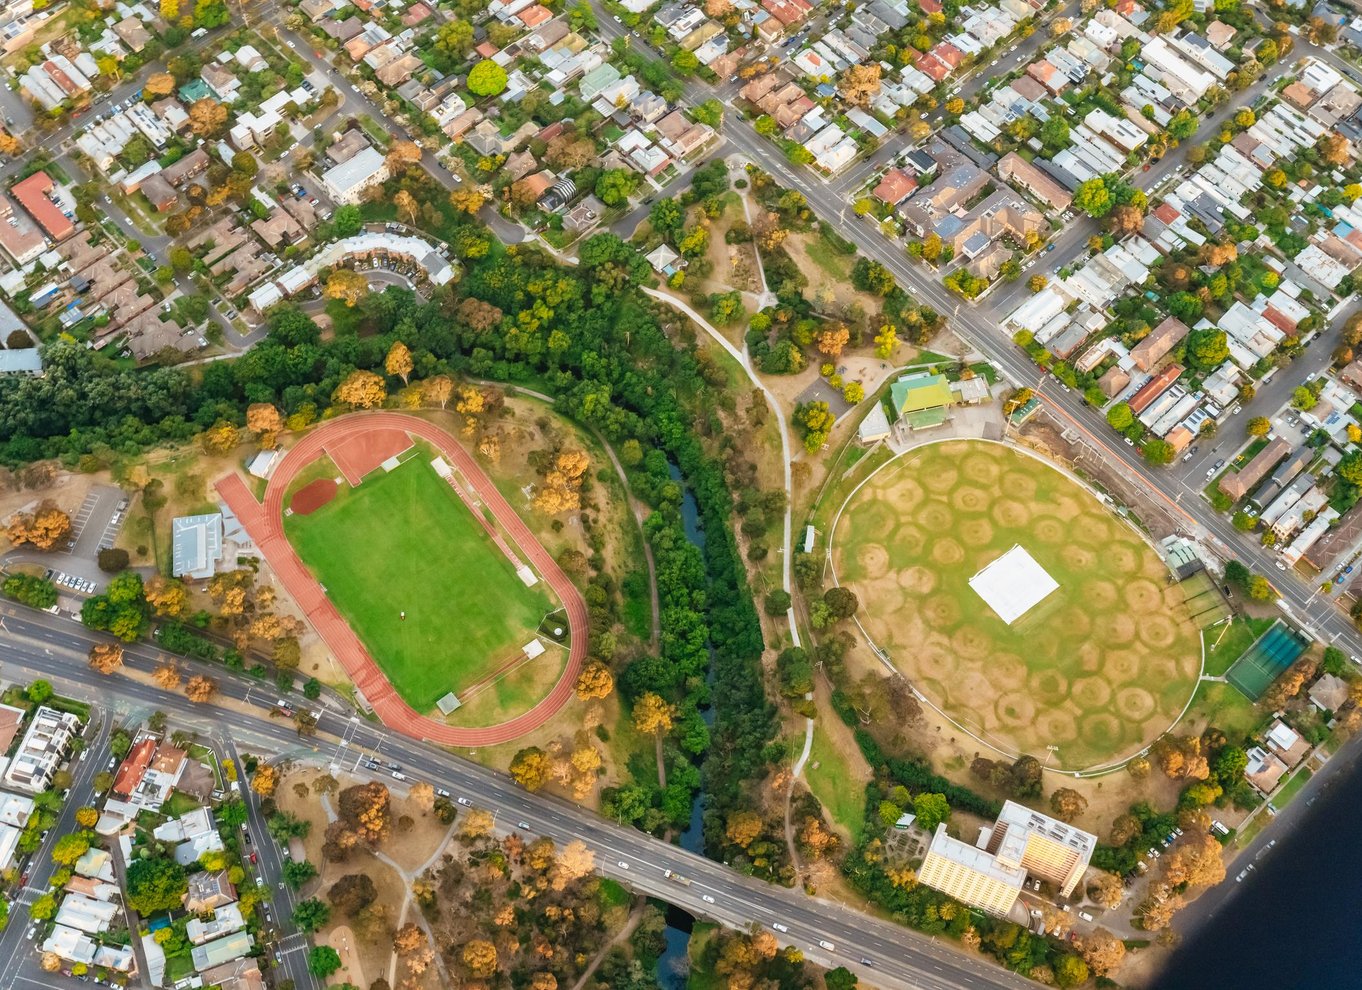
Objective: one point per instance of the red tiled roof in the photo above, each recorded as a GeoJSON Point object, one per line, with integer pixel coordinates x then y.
{"type": "Point", "coordinates": [895, 185]}
{"type": "Point", "coordinates": [1279, 320]}
{"type": "Point", "coordinates": [1146, 394]}
{"type": "Point", "coordinates": [134, 767]}
{"type": "Point", "coordinates": [1166, 212]}
{"type": "Point", "coordinates": [32, 196]}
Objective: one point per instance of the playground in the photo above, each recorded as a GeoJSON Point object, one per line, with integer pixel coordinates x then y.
{"type": "Point", "coordinates": [1081, 675]}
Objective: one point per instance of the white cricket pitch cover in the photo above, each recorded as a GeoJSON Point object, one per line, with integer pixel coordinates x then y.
{"type": "Point", "coordinates": [1013, 584]}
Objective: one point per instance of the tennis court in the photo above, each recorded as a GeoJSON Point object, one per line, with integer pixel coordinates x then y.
{"type": "Point", "coordinates": [1205, 605]}
{"type": "Point", "coordinates": [1263, 662]}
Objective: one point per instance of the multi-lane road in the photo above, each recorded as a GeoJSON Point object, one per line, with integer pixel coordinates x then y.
{"type": "Point", "coordinates": [36, 644]}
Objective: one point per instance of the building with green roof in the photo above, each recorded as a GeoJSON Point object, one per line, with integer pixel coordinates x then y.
{"type": "Point", "coordinates": [916, 393]}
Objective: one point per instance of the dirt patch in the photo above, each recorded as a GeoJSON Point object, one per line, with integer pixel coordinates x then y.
{"type": "Point", "coordinates": [342, 939]}
{"type": "Point", "coordinates": [313, 496]}
{"type": "Point", "coordinates": [410, 849]}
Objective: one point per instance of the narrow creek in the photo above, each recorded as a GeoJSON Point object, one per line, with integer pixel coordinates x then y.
{"type": "Point", "coordinates": [673, 966]}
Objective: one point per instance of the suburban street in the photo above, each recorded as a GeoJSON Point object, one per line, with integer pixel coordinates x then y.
{"type": "Point", "coordinates": [37, 644]}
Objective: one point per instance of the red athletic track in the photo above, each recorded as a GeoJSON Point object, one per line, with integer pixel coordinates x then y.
{"type": "Point", "coordinates": [266, 526]}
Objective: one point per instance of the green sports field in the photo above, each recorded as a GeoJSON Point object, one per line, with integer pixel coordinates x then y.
{"type": "Point", "coordinates": [1097, 669]}
{"type": "Point", "coordinates": [404, 541]}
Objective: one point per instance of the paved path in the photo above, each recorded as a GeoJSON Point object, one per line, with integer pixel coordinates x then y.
{"type": "Point", "coordinates": [266, 526]}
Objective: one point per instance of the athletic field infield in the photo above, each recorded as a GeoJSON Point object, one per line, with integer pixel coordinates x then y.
{"type": "Point", "coordinates": [1089, 674]}
{"type": "Point", "coordinates": [404, 542]}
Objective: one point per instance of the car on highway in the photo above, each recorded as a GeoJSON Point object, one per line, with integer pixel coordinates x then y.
{"type": "Point", "coordinates": [827, 945]}
{"type": "Point", "coordinates": [465, 802]}
{"type": "Point", "coordinates": [707, 898]}
{"type": "Point", "coordinates": [441, 792]}
{"type": "Point", "coordinates": [779, 927]}
{"type": "Point", "coordinates": [867, 962]}
{"type": "Point", "coordinates": [399, 775]}
{"type": "Point", "coordinates": [623, 865]}
{"type": "Point", "coordinates": [32, 931]}
{"type": "Point", "coordinates": [523, 825]}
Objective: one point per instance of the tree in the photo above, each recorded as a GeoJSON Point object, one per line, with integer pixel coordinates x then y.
{"type": "Point", "coordinates": [105, 658]}
{"type": "Point", "coordinates": [886, 342]}
{"type": "Point", "coordinates": [530, 768]}
{"type": "Point", "coordinates": [398, 362]}
{"type": "Point", "coordinates": [833, 339]}
{"type": "Point", "coordinates": [931, 810]}
{"type": "Point", "coordinates": [207, 116]}
{"type": "Point", "coordinates": [777, 602]}
{"type": "Point", "coordinates": [1259, 426]}
{"type": "Point", "coordinates": [1333, 148]}
{"type": "Point", "coordinates": [860, 83]}
{"type": "Point", "coordinates": [311, 915]}
{"type": "Point", "coordinates": [168, 597]}
{"type": "Point", "coordinates": [87, 817]}
{"type": "Point", "coordinates": [155, 884]}
{"type": "Point", "coordinates": [1067, 804]}
{"type": "Point", "coordinates": [347, 220]}
{"type": "Point", "coordinates": [44, 529]}
{"type": "Point", "coordinates": [653, 715]}
{"type": "Point", "coordinates": [352, 893]}
{"type": "Point", "coordinates": [402, 155]}
{"type": "Point", "coordinates": [298, 872]}
{"type": "Point", "coordinates": [200, 689]}
{"type": "Point", "coordinates": [1303, 398]}
{"type": "Point", "coordinates": [466, 200]}
{"type": "Point", "coordinates": [1102, 951]}
{"type": "Point", "coordinates": [158, 84]}
{"type": "Point", "coordinates": [362, 390]}
{"type": "Point", "coordinates": [1106, 889]}
{"type": "Point", "coordinates": [842, 602]}
{"type": "Point", "coordinates": [167, 676]}
{"type": "Point", "coordinates": [437, 390]}
{"type": "Point", "coordinates": [840, 978]}
{"type": "Point", "coordinates": [1119, 416]}
{"type": "Point", "coordinates": [487, 79]}
{"type": "Point", "coordinates": [743, 828]}
{"type": "Point", "coordinates": [615, 186]}
{"type": "Point", "coordinates": [1070, 971]}
{"type": "Point", "coordinates": [595, 681]}
{"type": "Point", "coordinates": [266, 780]}
{"type": "Point", "coordinates": [480, 956]}
{"type": "Point", "coordinates": [70, 848]}
{"type": "Point", "coordinates": [366, 810]}
{"type": "Point", "coordinates": [346, 285]}
{"type": "Point", "coordinates": [322, 961]}
{"type": "Point", "coordinates": [1093, 197]}
{"type": "Point", "coordinates": [220, 438]}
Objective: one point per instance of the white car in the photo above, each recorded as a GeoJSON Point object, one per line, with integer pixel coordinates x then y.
{"type": "Point", "coordinates": [707, 899]}
{"type": "Point", "coordinates": [624, 865]}
{"type": "Point", "coordinates": [827, 945]}
{"type": "Point", "coordinates": [1085, 916]}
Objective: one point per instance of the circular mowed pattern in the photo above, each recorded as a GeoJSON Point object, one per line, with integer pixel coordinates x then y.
{"type": "Point", "coordinates": [1098, 669]}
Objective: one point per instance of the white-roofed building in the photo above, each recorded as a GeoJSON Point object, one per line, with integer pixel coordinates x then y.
{"type": "Point", "coordinates": [347, 181]}
{"type": "Point", "coordinates": [197, 546]}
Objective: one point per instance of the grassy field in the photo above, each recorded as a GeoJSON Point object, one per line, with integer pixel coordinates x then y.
{"type": "Point", "coordinates": [1238, 638]}
{"type": "Point", "coordinates": [1224, 706]}
{"type": "Point", "coordinates": [1097, 669]}
{"type": "Point", "coordinates": [1291, 788]}
{"type": "Point", "coordinates": [403, 541]}
{"type": "Point", "coordinates": [834, 785]}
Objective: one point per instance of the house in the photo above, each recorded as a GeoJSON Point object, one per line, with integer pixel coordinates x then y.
{"type": "Point", "coordinates": [132, 33]}
{"type": "Point", "coordinates": [1012, 167]}
{"type": "Point", "coordinates": [1287, 743]}
{"type": "Point", "coordinates": [180, 172]}
{"type": "Point", "coordinates": [42, 750]}
{"type": "Point", "coordinates": [1329, 693]}
{"type": "Point", "coordinates": [1148, 392]}
{"type": "Point", "coordinates": [197, 543]}
{"type": "Point", "coordinates": [36, 195]}
{"type": "Point", "coordinates": [238, 974]}
{"type": "Point", "coordinates": [207, 892]}
{"type": "Point", "coordinates": [159, 193]}
{"type": "Point", "coordinates": [896, 186]}
{"type": "Point", "coordinates": [664, 260]}
{"type": "Point", "coordinates": [222, 950]}
{"type": "Point", "coordinates": [1264, 770]}
{"type": "Point", "coordinates": [1158, 343]}
{"type": "Point", "coordinates": [1237, 485]}
{"type": "Point", "coordinates": [19, 236]}
{"type": "Point", "coordinates": [346, 182]}
{"type": "Point", "coordinates": [225, 920]}
{"type": "Point", "coordinates": [221, 82]}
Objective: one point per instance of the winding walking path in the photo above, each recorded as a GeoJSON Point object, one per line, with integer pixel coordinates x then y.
{"type": "Point", "coordinates": [265, 523]}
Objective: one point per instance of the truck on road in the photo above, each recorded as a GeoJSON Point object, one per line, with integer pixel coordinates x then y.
{"type": "Point", "coordinates": [675, 877]}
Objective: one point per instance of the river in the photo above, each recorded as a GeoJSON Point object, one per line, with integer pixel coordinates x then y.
{"type": "Point", "coordinates": [1295, 922]}
{"type": "Point", "coordinates": [673, 966]}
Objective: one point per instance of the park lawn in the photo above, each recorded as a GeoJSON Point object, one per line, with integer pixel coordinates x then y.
{"type": "Point", "coordinates": [404, 541]}
{"type": "Point", "coordinates": [1221, 704]}
{"type": "Point", "coordinates": [702, 976]}
{"type": "Point", "coordinates": [1222, 652]}
{"type": "Point", "coordinates": [825, 255]}
{"type": "Point", "coordinates": [514, 693]}
{"type": "Point", "coordinates": [833, 783]}
{"type": "Point", "coordinates": [1291, 788]}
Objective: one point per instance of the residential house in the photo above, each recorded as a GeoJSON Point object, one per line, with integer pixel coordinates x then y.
{"type": "Point", "coordinates": [1237, 485]}
{"type": "Point", "coordinates": [207, 892]}
{"type": "Point", "coordinates": [1158, 343]}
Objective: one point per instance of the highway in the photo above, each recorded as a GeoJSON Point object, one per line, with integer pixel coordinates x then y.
{"type": "Point", "coordinates": [36, 644]}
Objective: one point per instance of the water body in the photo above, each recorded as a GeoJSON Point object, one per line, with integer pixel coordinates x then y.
{"type": "Point", "coordinates": [673, 966]}
{"type": "Point", "coordinates": [1295, 922]}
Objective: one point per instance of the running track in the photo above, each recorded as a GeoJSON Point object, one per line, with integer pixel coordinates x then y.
{"type": "Point", "coordinates": [266, 526]}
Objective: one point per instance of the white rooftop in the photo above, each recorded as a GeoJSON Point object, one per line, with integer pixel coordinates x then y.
{"type": "Point", "coordinates": [1013, 584]}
